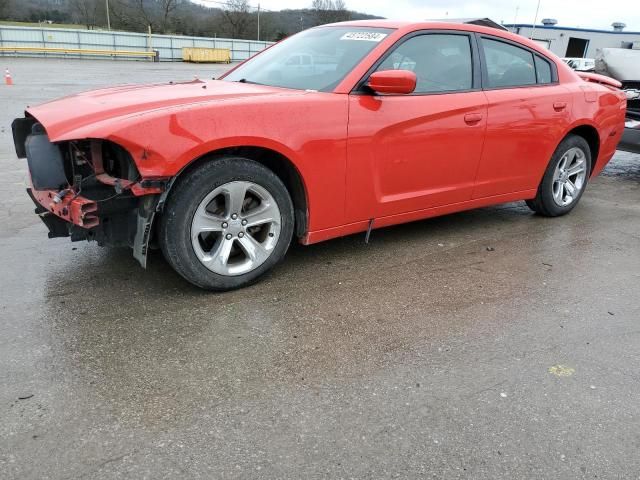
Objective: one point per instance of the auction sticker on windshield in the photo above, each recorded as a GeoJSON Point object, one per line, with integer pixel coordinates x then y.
{"type": "Point", "coordinates": [366, 36]}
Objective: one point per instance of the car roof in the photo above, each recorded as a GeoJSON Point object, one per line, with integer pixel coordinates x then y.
{"type": "Point", "coordinates": [480, 22]}
{"type": "Point", "coordinates": [373, 23]}
{"type": "Point", "coordinates": [427, 24]}
{"type": "Point", "coordinates": [407, 27]}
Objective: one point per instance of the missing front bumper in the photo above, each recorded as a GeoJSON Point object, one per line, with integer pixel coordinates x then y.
{"type": "Point", "coordinates": [57, 226]}
{"type": "Point", "coordinates": [129, 224]}
{"type": "Point", "coordinates": [89, 189]}
{"type": "Point", "coordinates": [71, 208]}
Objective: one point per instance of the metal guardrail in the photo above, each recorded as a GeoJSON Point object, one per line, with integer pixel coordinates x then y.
{"type": "Point", "coordinates": [80, 51]}
{"type": "Point", "coordinates": [169, 47]}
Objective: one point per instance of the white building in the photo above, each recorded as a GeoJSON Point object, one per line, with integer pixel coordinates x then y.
{"type": "Point", "coordinates": [577, 42]}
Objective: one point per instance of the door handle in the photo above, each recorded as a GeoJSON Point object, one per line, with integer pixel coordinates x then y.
{"type": "Point", "coordinates": [471, 118]}
{"type": "Point", "coordinates": [559, 106]}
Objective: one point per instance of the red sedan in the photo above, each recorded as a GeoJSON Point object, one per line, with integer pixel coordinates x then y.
{"type": "Point", "coordinates": [336, 130]}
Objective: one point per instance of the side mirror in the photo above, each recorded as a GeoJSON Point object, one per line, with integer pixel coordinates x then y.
{"type": "Point", "coordinates": [393, 81]}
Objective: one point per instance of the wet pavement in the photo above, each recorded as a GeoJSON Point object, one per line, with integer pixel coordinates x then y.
{"type": "Point", "coordinates": [486, 344]}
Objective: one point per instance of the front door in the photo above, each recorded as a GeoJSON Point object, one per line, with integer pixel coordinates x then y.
{"type": "Point", "coordinates": [413, 152]}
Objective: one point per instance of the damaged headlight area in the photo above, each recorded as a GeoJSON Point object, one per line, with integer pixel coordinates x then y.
{"type": "Point", "coordinates": [88, 189]}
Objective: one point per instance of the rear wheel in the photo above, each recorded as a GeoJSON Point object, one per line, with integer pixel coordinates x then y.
{"type": "Point", "coordinates": [226, 223]}
{"type": "Point", "coordinates": [565, 179]}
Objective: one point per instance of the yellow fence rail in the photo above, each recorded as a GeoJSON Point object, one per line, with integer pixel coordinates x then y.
{"type": "Point", "coordinates": [81, 51]}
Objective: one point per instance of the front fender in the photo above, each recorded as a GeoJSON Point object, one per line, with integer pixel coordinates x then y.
{"type": "Point", "coordinates": [311, 132]}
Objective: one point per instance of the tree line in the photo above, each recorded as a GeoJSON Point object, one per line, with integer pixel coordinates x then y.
{"type": "Point", "coordinates": [229, 18]}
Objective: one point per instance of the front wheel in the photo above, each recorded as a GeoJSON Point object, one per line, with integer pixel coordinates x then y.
{"type": "Point", "coordinates": [565, 179]}
{"type": "Point", "coordinates": [226, 223]}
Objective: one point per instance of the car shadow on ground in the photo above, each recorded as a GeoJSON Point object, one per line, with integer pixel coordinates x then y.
{"type": "Point", "coordinates": [95, 268]}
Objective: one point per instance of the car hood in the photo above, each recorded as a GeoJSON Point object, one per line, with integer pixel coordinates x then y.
{"type": "Point", "coordinates": [63, 116]}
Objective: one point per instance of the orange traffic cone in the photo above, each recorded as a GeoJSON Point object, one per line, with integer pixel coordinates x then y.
{"type": "Point", "coordinates": [7, 77]}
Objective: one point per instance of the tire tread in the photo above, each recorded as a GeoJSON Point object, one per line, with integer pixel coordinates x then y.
{"type": "Point", "coordinates": [543, 203]}
{"type": "Point", "coordinates": [174, 231]}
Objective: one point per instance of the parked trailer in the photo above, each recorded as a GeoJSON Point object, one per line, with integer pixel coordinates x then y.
{"type": "Point", "coordinates": [630, 141]}
{"type": "Point", "coordinates": [623, 64]}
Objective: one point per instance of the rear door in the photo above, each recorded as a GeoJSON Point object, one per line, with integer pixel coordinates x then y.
{"type": "Point", "coordinates": [528, 112]}
{"type": "Point", "coordinates": [418, 151]}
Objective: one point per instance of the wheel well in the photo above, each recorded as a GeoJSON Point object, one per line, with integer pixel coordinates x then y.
{"type": "Point", "coordinates": [590, 134]}
{"type": "Point", "coordinates": [278, 164]}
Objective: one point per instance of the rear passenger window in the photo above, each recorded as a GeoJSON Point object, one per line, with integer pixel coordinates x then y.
{"type": "Point", "coordinates": [508, 65]}
{"type": "Point", "coordinates": [441, 62]}
{"type": "Point", "coordinates": [543, 70]}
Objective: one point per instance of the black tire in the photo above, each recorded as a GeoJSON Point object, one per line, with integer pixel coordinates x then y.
{"type": "Point", "coordinates": [544, 203]}
{"type": "Point", "coordinates": [185, 197]}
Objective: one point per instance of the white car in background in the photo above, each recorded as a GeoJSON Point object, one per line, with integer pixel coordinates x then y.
{"type": "Point", "coordinates": [581, 64]}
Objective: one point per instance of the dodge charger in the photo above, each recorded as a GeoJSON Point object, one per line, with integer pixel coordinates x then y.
{"type": "Point", "coordinates": [337, 130]}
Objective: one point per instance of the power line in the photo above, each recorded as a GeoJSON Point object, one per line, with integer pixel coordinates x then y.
{"type": "Point", "coordinates": [228, 4]}
{"type": "Point", "coordinates": [258, 9]}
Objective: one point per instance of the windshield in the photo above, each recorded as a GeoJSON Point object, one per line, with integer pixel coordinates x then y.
{"type": "Point", "coordinates": [316, 59]}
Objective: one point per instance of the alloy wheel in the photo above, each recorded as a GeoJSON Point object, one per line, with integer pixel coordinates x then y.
{"type": "Point", "coordinates": [235, 228]}
{"type": "Point", "coordinates": [569, 177]}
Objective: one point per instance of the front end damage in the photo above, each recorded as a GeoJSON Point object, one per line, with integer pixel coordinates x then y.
{"type": "Point", "coordinates": [88, 189]}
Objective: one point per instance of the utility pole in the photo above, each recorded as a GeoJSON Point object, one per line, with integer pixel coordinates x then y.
{"type": "Point", "coordinates": [535, 20]}
{"type": "Point", "coordinates": [515, 19]}
{"type": "Point", "coordinates": [258, 22]}
{"type": "Point", "coordinates": [108, 18]}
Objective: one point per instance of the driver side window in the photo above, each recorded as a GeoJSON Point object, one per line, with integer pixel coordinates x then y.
{"type": "Point", "coordinates": [441, 62]}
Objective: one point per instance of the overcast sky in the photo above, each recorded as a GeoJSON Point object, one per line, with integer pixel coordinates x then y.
{"type": "Point", "coordinates": [569, 13]}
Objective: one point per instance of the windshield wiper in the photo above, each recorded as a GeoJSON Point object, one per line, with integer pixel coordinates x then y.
{"type": "Point", "coordinates": [244, 80]}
